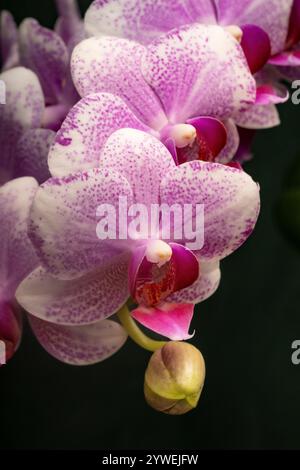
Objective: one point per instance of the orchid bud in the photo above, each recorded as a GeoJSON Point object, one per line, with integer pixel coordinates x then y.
{"type": "Point", "coordinates": [174, 378]}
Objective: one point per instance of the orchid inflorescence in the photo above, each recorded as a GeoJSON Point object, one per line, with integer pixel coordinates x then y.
{"type": "Point", "coordinates": [154, 102]}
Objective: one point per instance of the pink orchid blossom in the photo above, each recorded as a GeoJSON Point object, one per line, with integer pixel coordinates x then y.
{"type": "Point", "coordinates": [39, 89]}
{"type": "Point", "coordinates": [261, 27]}
{"type": "Point", "coordinates": [17, 256]}
{"type": "Point", "coordinates": [74, 345]}
{"type": "Point", "coordinates": [47, 53]}
{"type": "Point", "coordinates": [82, 279]}
{"type": "Point", "coordinates": [186, 88]}
{"type": "Point", "coordinates": [24, 145]}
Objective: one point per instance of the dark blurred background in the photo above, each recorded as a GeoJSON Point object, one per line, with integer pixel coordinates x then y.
{"type": "Point", "coordinates": [251, 398]}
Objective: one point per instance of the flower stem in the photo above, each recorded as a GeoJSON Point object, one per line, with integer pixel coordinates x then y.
{"type": "Point", "coordinates": [135, 333]}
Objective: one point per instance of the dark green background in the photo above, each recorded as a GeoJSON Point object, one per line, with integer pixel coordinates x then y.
{"type": "Point", "coordinates": [251, 397]}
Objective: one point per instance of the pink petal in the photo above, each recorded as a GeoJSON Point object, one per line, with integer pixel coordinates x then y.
{"type": "Point", "coordinates": [79, 142]}
{"type": "Point", "coordinates": [17, 256]}
{"type": "Point", "coordinates": [294, 28]}
{"type": "Point", "coordinates": [141, 158]}
{"type": "Point", "coordinates": [89, 299]}
{"type": "Point", "coordinates": [256, 46]}
{"type": "Point", "coordinates": [230, 198]}
{"type": "Point", "coordinates": [79, 345]}
{"type": "Point", "coordinates": [23, 110]}
{"type": "Point", "coordinates": [112, 65]}
{"type": "Point", "coordinates": [270, 15]}
{"type": "Point", "coordinates": [144, 20]}
{"type": "Point", "coordinates": [44, 52]}
{"type": "Point", "coordinates": [9, 47]}
{"type": "Point", "coordinates": [31, 156]}
{"type": "Point", "coordinates": [286, 59]}
{"type": "Point", "coordinates": [69, 24]}
{"type": "Point", "coordinates": [169, 320]}
{"type": "Point", "coordinates": [271, 94]}
{"type": "Point", "coordinates": [258, 117]}
{"type": "Point", "coordinates": [198, 71]}
{"type": "Point", "coordinates": [63, 224]}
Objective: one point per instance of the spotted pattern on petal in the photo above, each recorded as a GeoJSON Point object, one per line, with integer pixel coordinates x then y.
{"type": "Point", "coordinates": [23, 110]}
{"type": "Point", "coordinates": [63, 224]}
{"type": "Point", "coordinates": [17, 256]}
{"type": "Point", "coordinates": [8, 41]}
{"type": "Point", "coordinates": [112, 65]}
{"type": "Point", "coordinates": [231, 203]}
{"type": "Point", "coordinates": [93, 297]}
{"type": "Point", "coordinates": [258, 117]}
{"type": "Point", "coordinates": [199, 71]}
{"type": "Point", "coordinates": [79, 142]}
{"type": "Point", "coordinates": [43, 51]}
{"type": "Point", "coordinates": [270, 15]}
{"type": "Point", "coordinates": [142, 159]}
{"type": "Point", "coordinates": [79, 345]}
{"type": "Point", "coordinates": [31, 155]}
{"type": "Point", "coordinates": [143, 20]}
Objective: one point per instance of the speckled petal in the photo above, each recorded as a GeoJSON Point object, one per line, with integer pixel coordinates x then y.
{"type": "Point", "coordinates": [79, 345]}
{"type": "Point", "coordinates": [23, 110]}
{"type": "Point", "coordinates": [17, 256]}
{"type": "Point", "coordinates": [8, 41]}
{"type": "Point", "coordinates": [258, 117]}
{"type": "Point", "coordinates": [294, 26]}
{"type": "Point", "coordinates": [231, 203]}
{"type": "Point", "coordinates": [31, 155]}
{"type": "Point", "coordinates": [63, 225]}
{"type": "Point", "coordinates": [199, 71]}
{"type": "Point", "coordinates": [271, 15]}
{"type": "Point", "coordinates": [143, 20]}
{"type": "Point", "coordinates": [69, 24]}
{"type": "Point", "coordinates": [169, 320]}
{"type": "Point", "coordinates": [79, 142]}
{"type": "Point", "coordinates": [44, 52]}
{"type": "Point", "coordinates": [205, 286]}
{"type": "Point", "coordinates": [142, 159]}
{"type": "Point", "coordinates": [112, 65]}
{"type": "Point", "coordinates": [89, 299]}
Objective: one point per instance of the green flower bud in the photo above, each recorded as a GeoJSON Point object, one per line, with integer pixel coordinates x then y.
{"type": "Point", "coordinates": [174, 378]}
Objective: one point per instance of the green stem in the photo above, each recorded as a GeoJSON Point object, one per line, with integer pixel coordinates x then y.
{"type": "Point", "coordinates": [135, 333]}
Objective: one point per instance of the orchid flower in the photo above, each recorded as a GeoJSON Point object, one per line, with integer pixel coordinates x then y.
{"type": "Point", "coordinates": [83, 279]}
{"type": "Point", "coordinates": [23, 144]}
{"type": "Point", "coordinates": [185, 89]}
{"type": "Point", "coordinates": [17, 255]}
{"type": "Point", "coordinates": [39, 96]}
{"type": "Point", "coordinates": [47, 53]}
{"type": "Point", "coordinates": [143, 21]}
{"type": "Point", "coordinates": [261, 27]}
{"type": "Point", "coordinates": [74, 345]}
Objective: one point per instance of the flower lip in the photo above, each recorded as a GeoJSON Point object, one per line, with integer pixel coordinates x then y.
{"type": "Point", "coordinates": [158, 252]}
